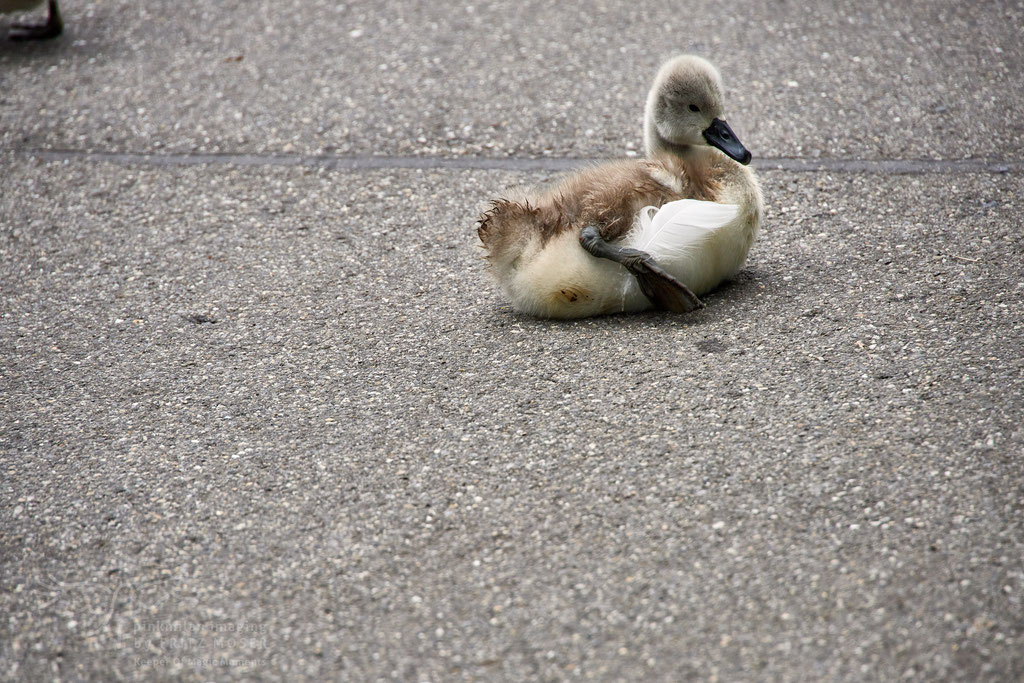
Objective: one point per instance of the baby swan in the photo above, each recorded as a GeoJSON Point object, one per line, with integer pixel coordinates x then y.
{"type": "Point", "coordinates": [51, 28]}
{"type": "Point", "coordinates": [589, 245]}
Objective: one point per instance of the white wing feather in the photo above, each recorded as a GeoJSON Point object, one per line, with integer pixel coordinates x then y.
{"type": "Point", "coordinates": [678, 226]}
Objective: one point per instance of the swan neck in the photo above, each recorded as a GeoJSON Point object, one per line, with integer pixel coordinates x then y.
{"type": "Point", "coordinates": [690, 154]}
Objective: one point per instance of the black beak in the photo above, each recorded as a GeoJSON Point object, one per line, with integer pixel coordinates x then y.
{"type": "Point", "coordinates": [720, 135]}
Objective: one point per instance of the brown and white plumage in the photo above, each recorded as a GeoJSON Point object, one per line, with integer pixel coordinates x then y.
{"type": "Point", "coordinates": [533, 236]}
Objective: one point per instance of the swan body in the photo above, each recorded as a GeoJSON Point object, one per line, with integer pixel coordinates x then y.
{"type": "Point", "coordinates": [689, 211]}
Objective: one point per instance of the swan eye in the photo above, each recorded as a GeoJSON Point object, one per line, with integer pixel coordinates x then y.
{"type": "Point", "coordinates": [694, 107]}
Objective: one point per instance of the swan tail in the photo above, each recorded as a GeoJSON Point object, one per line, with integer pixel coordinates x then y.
{"type": "Point", "coordinates": [511, 227]}
{"type": "Point", "coordinates": [496, 224]}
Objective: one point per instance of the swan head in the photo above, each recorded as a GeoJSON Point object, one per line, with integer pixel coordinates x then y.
{"type": "Point", "coordinates": [685, 111]}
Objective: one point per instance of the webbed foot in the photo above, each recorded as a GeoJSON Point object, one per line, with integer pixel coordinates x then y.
{"type": "Point", "coordinates": [664, 291]}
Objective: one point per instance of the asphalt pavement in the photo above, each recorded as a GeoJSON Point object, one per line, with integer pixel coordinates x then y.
{"type": "Point", "coordinates": [263, 415]}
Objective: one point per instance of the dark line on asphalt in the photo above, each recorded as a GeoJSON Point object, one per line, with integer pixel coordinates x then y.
{"type": "Point", "coordinates": [371, 162]}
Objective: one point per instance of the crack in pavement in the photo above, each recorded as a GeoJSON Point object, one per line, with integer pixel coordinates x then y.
{"type": "Point", "coordinates": [373, 162]}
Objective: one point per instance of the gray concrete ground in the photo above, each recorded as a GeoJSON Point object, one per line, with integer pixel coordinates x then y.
{"type": "Point", "coordinates": [275, 422]}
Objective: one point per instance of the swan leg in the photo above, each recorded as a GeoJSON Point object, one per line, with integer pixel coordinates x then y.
{"type": "Point", "coordinates": [664, 291]}
{"type": "Point", "coordinates": [52, 28]}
